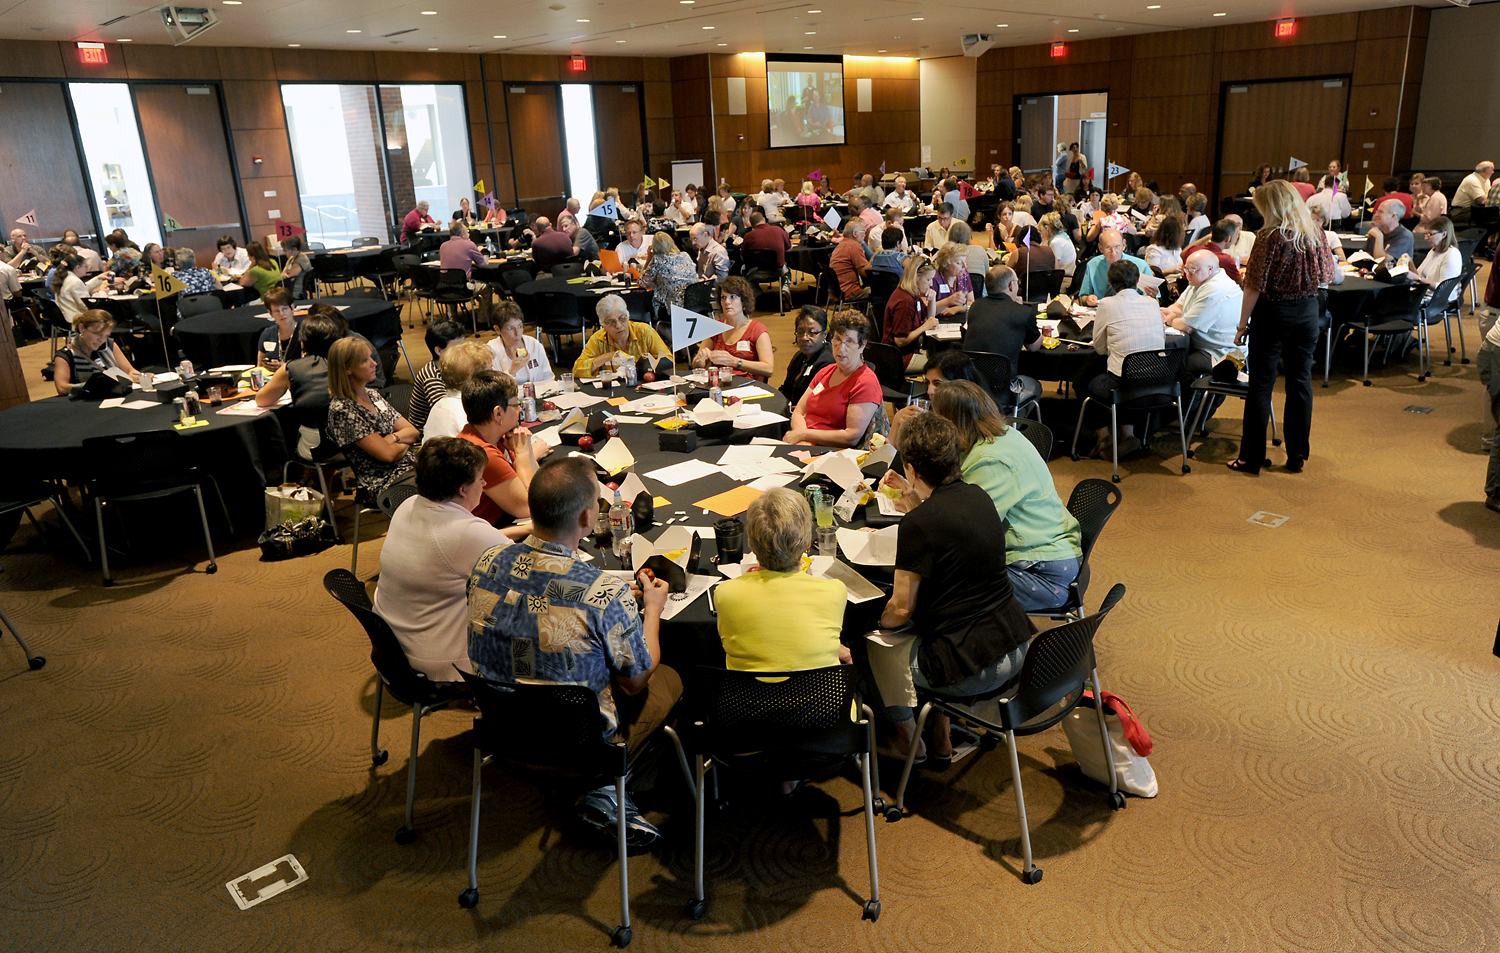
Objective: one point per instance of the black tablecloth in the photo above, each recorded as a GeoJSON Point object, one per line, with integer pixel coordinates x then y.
{"type": "Point", "coordinates": [809, 259]}
{"type": "Point", "coordinates": [637, 299]}
{"type": "Point", "coordinates": [230, 337]}
{"type": "Point", "coordinates": [1349, 299]}
{"type": "Point", "coordinates": [44, 438]}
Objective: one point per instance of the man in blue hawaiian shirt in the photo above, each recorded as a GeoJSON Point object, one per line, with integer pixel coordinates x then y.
{"type": "Point", "coordinates": [539, 612]}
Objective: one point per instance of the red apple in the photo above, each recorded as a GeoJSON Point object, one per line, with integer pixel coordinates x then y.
{"type": "Point", "coordinates": [731, 400]}
{"type": "Point", "coordinates": [648, 378]}
{"type": "Point", "coordinates": [585, 443]}
{"type": "Point", "coordinates": [613, 486]}
{"type": "Point", "coordinates": [548, 405]}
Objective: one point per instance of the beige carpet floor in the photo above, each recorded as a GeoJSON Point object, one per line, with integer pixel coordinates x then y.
{"type": "Point", "coordinates": [1321, 694]}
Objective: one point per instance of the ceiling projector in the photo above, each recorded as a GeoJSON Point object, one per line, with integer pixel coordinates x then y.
{"type": "Point", "coordinates": [185, 23]}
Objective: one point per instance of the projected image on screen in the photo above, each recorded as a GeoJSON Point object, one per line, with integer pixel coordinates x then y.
{"type": "Point", "coordinates": [806, 102]}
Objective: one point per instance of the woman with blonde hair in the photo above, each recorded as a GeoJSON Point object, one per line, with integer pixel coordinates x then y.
{"type": "Point", "coordinates": [808, 197]}
{"type": "Point", "coordinates": [909, 312]}
{"type": "Point", "coordinates": [89, 351]}
{"type": "Point", "coordinates": [953, 286]}
{"type": "Point", "coordinates": [372, 435]}
{"type": "Point", "coordinates": [1109, 204]}
{"type": "Point", "coordinates": [1288, 262]}
{"type": "Point", "coordinates": [1063, 249]}
{"type": "Point", "coordinates": [456, 365]}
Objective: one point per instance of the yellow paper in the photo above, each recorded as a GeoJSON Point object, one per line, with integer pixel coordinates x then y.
{"type": "Point", "coordinates": [730, 502]}
{"type": "Point", "coordinates": [660, 501]}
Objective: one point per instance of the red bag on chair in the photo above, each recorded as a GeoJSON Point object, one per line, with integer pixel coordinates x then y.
{"type": "Point", "coordinates": [1135, 732]}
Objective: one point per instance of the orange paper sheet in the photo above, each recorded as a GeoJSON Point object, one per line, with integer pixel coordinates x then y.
{"type": "Point", "coordinates": [617, 401]}
{"type": "Point", "coordinates": [660, 501]}
{"type": "Point", "coordinates": [731, 502]}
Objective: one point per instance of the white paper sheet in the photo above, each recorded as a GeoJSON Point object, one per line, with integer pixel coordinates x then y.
{"type": "Point", "coordinates": [696, 586]}
{"type": "Point", "coordinates": [651, 404]}
{"type": "Point", "coordinates": [763, 441]}
{"type": "Point", "coordinates": [629, 419]}
{"type": "Point", "coordinates": [859, 588]}
{"type": "Point", "coordinates": [947, 332]}
{"type": "Point", "coordinates": [684, 472]}
{"type": "Point", "coordinates": [574, 400]}
{"type": "Point", "coordinates": [661, 385]}
{"type": "Point", "coordinates": [747, 391]}
{"type": "Point", "coordinates": [837, 467]}
{"type": "Point", "coordinates": [744, 454]}
{"type": "Point", "coordinates": [1358, 257]}
{"type": "Point", "coordinates": [771, 481]}
{"type": "Point", "coordinates": [109, 402]}
{"type": "Point", "coordinates": [140, 405]}
{"type": "Point", "coordinates": [886, 506]}
{"type": "Point", "coordinates": [869, 549]}
{"type": "Point", "coordinates": [758, 418]}
{"type": "Point", "coordinates": [552, 436]}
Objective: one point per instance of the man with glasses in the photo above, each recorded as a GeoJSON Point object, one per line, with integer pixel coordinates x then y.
{"type": "Point", "coordinates": [621, 340]}
{"type": "Point", "coordinates": [1111, 249]}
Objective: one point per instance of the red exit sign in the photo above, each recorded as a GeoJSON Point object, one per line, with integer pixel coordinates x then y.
{"type": "Point", "coordinates": [1286, 28]}
{"type": "Point", "coordinates": [1059, 49]}
{"type": "Point", "coordinates": [93, 54]}
{"type": "Point", "coordinates": [578, 63]}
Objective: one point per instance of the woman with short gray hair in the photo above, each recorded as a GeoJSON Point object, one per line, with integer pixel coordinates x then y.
{"type": "Point", "coordinates": [196, 281]}
{"type": "Point", "coordinates": [803, 630]}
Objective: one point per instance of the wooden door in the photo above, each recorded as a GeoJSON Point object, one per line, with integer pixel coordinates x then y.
{"type": "Point", "coordinates": [1038, 127]}
{"type": "Point", "coordinates": [1269, 123]}
{"type": "Point", "coordinates": [617, 133]}
{"type": "Point", "coordinates": [183, 130]}
{"type": "Point", "coordinates": [39, 166]}
{"type": "Point", "coordinates": [536, 143]}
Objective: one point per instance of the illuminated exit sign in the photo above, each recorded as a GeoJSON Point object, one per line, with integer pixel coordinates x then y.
{"type": "Point", "coordinates": [578, 63]}
{"type": "Point", "coordinates": [1286, 28]}
{"type": "Point", "coordinates": [93, 54]}
{"type": "Point", "coordinates": [1059, 49]}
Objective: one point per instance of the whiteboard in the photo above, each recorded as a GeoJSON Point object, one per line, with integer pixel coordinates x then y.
{"type": "Point", "coordinates": [686, 173]}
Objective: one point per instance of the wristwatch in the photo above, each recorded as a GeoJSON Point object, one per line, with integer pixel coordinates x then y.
{"type": "Point", "coordinates": [739, 364]}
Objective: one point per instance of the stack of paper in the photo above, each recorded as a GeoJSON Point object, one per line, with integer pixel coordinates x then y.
{"type": "Point", "coordinates": [684, 472]}
{"type": "Point", "coordinates": [650, 404]}
{"type": "Point", "coordinates": [947, 332]}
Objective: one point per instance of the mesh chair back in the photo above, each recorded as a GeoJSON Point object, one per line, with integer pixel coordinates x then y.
{"type": "Point", "coordinates": [1042, 285]}
{"type": "Point", "coordinates": [564, 730]}
{"type": "Point", "coordinates": [364, 292]}
{"type": "Point", "coordinates": [553, 312]}
{"type": "Point", "coordinates": [1398, 303]}
{"type": "Point", "coordinates": [365, 242]}
{"type": "Point", "coordinates": [760, 262]}
{"type": "Point", "coordinates": [336, 268]}
{"type": "Point", "coordinates": [567, 269]}
{"type": "Point", "coordinates": [189, 305]}
{"type": "Point", "coordinates": [140, 458]}
{"type": "Point", "coordinates": [997, 374]}
{"type": "Point", "coordinates": [393, 496]}
{"type": "Point", "coordinates": [1442, 299]}
{"type": "Point", "coordinates": [885, 361]}
{"type": "Point", "coordinates": [404, 260]}
{"type": "Point", "coordinates": [1153, 367]}
{"type": "Point", "coordinates": [806, 712]}
{"type": "Point", "coordinates": [1039, 434]}
{"type": "Point", "coordinates": [698, 298]}
{"type": "Point", "coordinates": [1092, 503]}
{"type": "Point", "coordinates": [514, 277]}
{"type": "Point", "coordinates": [406, 683]}
{"type": "Point", "coordinates": [1052, 678]}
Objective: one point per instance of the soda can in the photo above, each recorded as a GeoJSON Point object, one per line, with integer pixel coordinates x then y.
{"type": "Point", "coordinates": [625, 560]}
{"type": "Point", "coordinates": [612, 426]}
{"type": "Point", "coordinates": [716, 395]}
{"type": "Point", "coordinates": [258, 377]}
{"type": "Point", "coordinates": [630, 378]}
{"type": "Point", "coordinates": [528, 409]}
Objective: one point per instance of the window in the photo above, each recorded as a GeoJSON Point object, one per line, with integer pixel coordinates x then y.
{"type": "Point", "coordinates": [114, 159]}
{"type": "Point", "coordinates": [426, 135]}
{"type": "Point", "coordinates": [578, 141]}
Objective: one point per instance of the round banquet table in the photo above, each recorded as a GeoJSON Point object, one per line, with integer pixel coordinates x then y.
{"type": "Point", "coordinates": [216, 338]}
{"type": "Point", "coordinates": [1348, 300]}
{"type": "Point", "coordinates": [809, 259]}
{"type": "Point", "coordinates": [589, 293]}
{"type": "Point", "coordinates": [45, 439]}
{"type": "Point", "coordinates": [691, 638]}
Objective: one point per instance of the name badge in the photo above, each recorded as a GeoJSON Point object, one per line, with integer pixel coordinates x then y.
{"type": "Point", "coordinates": [817, 389]}
{"type": "Point", "coordinates": [742, 346]}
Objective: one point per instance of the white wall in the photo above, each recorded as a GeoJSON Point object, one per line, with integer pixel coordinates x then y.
{"type": "Point", "coordinates": [949, 109]}
{"type": "Point", "coordinates": [1458, 118]}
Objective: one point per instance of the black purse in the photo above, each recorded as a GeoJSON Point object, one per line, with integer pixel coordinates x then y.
{"type": "Point", "coordinates": [303, 538]}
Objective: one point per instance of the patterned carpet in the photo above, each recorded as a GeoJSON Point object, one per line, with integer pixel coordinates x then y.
{"type": "Point", "coordinates": [1321, 694]}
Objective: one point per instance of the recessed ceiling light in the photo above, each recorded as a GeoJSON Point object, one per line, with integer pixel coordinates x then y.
{"type": "Point", "coordinates": [432, 49]}
{"type": "Point", "coordinates": [498, 36]}
{"type": "Point", "coordinates": [1002, 25]}
{"type": "Point", "coordinates": [294, 44]}
{"type": "Point", "coordinates": [1072, 31]}
{"type": "Point", "coordinates": [354, 31]}
{"type": "Point", "coordinates": [124, 39]}
{"type": "Point", "coordinates": [723, 44]}
{"type": "Point", "coordinates": [684, 1]}
{"type": "Point", "coordinates": [708, 28]}
{"type": "Point", "coordinates": [619, 41]}
{"type": "Point", "coordinates": [807, 47]}
{"type": "Point", "coordinates": [919, 18]}
{"type": "Point", "coordinates": [880, 51]}
{"type": "Point", "coordinates": [425, 13]}
{"type": "Point", "coordinates": [810, 33]}
{"type": "Point", "coordinates": [231, 3]}
{"type": "Point", "coordinates": [1154, 6]}
{"type": "Point", "coordinates": [580, 21]}
{"type": "Point", "coordinates": [815, 11]}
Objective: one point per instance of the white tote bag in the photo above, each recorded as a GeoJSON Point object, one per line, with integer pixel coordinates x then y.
{"type": "Point", "coordinates": [1132, 769]}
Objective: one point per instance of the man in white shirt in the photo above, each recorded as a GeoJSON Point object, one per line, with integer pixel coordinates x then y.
{"type": "Point", "coordinates": [634, 245]}
{"type": "Point", "coordinates": [867, 189]}
{"type": "Point", "coordinates": [1336, 203]}
{"type": "Point", "coordinates": [769, 201]}
{"type": "Point", "coordinates": [900, 198]}
{"type": "Point", "coordinates": [677, 210]}
{"type": "Point", "coordinates": [1209, 311]}
{"type": "Point", "coordinates": [10, 282]}
{"type": "Point", "coordinates": [1473, 190]}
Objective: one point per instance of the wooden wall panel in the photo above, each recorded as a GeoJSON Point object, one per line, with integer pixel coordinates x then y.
{"type": "Point", "coordinates": [271, 145]}
{"type": "Point", "coordinates": [39, 163]}
{"type": "Point", "coordinates": [168, 62]}
{"type": "Point", "coordinates": [246, 63]}
{"type": "Point", "coordinates": [331, 66]}
{"type": "Point", "coordinates": [538, 166]}
{"type": "Point", "coordinates": [617, 121]}
{"type": "Point", "coordinates": [515, 67]}
{"type": "Point", "coordinates": [414, 67]}
{"type": "Point", "coordinates": [254, 104]}
{"type": "Point", "coordinates": [32, 58]}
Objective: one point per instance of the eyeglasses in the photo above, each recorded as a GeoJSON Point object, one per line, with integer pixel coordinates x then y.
{"type": "Point", "coordinates": [801, 333]}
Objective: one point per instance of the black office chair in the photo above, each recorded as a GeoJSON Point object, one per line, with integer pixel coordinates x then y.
{"type": "Point", "coordinates": [145, 466]}
{"type": "Point", "coordinates": [1394, 314]}
{"type": "Point", "coordinates": [18, 494]}
{"type": "Point", "coordinates": [1016, 395]}
{"type": "Point", "coordinates": [365, 242]}
{"type": "Point", "coordinates": [1205, 389]}
{"type": "Point", "coordinates": [698, 297]}
{"type": "Point", "coordinates": [402, 263]}
{"type": "Point", "coordinates": [1059, 665]}
{"type": "Point", "coordinates": [452, 290]}
{"type": "Point", "coordinates": [1042, 285]}
{"type": "Point", "coordinates": [554, 313]}
{"type": "Point", "coordinates": [760, 268]}
{"type": "Point", "coordinates": [423, 281]}
{"type": "Point", "coordinates": [33, 662]}
{"type": "Point", "coordinates": [334, 269]}
{"type": "Point", "coordinates": [384, 503]}
{"type": "Point", "coordinates": [885, 361]}
{"type": "Point", "coordinates": [567, 269]}
{"type": "Point", "coordinates": [1149, 382]}
{"type": "Point", "coordinates": [1038, 433]}
{"type": "Point", "coordinates": [1445, 305]}
{"type": "Point", "coordinates": [394, 673]}
{"type": "Point", "coordinates": [189, 305]}
{"type": "Point", "coordinates": [1091, 503]}
{"type": "Point", "coordinates": [561, 744]}
{"type": "Point", "coordinates": [383, 272]}
{"type": "Point", "coordinates": [799, 726]}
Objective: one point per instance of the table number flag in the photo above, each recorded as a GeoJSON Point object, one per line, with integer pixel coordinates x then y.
{"type": "Point", "coordinates": [28, 219]}
{"type": "Point", "coordinates": [285, 230]}
{"type": "Point", "coordinates": [689, 327]}
{"type": "Point", "coordinates": [1295, 164]}
{"type": "Point", "coordinates": [170, 224]}
{"type": "Point", "coordinates": [166, 285]}
{"type": "Point", "coordinates": [488, 201]}
{"type": "Point", "coordinates": [479, 187]}
{"type": "Point", "coordinates": [1114, 170]}
{"type": "Point", "coordinates": [609, 209]}
{"type": "Point", "coordinates": [663, 184]}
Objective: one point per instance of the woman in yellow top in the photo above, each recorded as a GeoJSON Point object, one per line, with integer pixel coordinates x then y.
{"type": "Point", "coordinates": [617, 336]}
{"type": "Point", "coordinates": [778, 618]}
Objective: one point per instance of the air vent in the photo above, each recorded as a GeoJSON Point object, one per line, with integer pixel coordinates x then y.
{"type": "Point", "coordinates": [410, 29]}
{"type": "Point", "coordinates": [114, 21]}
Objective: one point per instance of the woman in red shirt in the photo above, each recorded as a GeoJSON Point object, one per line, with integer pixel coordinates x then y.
{"type": "Point", "coordinates": [746, 348]}
{"type": "Point", "coordinates": [837, 407]}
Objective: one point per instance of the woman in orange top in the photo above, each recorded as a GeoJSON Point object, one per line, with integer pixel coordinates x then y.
{"type": "Point", "coordinates": [747, 347]}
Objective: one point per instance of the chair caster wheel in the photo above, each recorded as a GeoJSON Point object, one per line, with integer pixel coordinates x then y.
{"type": "Point", "coordinates": [1448, 363]}
{"type": "Point", "coordinates": [620, 937]}
{"type": "Point", "coordinates": [1186, 468]}
{"type": "Point", "coordinates": [1117, 801]}
{"type": "Point", "coordinates": [695, 909]}
{"type": "Point", "coordinates": [988, 742]}
{"type": "Point", "coordinates": [893, 814]}
{"type": "Point", "coordinates": [1032, 876]}
{"type": "Point", "coordinates": [378, 759]}
{"type": "Point", "coordinates": [406, 835]}
{"type": "Point", "coordinates": [1464, 361]}
{"type": "Point", "coordinates": [872, 911]}
{"type": "Point", "coordinates": [109, 582]}
{"type": "Point", "coordinates": [469, 899]}
{"type": "Point", "coordinates": [1075, 457]}
{"type": "Point", "coordinates": [1115, 478]}
{"type": "Point", "coordinates": [1192, 453]}
{"type": "Point", "coordinates": [1421, 378]}
{"type": "Point", "coordinates": [1274, 443]}
{"type": "Point", "coordinates": [1369, 384]}
{"type": "Point", "coordinates": [212, 568]}
{"type": "Point", "coordinates": [36, 662]}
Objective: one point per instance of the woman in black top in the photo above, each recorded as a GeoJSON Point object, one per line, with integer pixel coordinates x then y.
{"type": "Point", "coordinates": [465, 213]}
{"type": "Point", "coordinates": [813, 353]}
{"type": "Point", "coordinates": [952, 622]}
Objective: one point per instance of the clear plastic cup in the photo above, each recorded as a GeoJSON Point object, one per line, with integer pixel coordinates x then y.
{"type": "Point", "coordinates": [567, 384]}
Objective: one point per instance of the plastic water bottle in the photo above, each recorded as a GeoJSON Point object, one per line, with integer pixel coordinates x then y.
{"type": "Point", "coordinates": [620, 522]}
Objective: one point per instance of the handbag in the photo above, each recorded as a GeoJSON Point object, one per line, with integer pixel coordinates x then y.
{"type": "Point", "coordinates": [1129, 744]}
{"type": "Point", "coordinates": [302, 538]}
{"type": "Point", "coordinates": [290, 503]}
